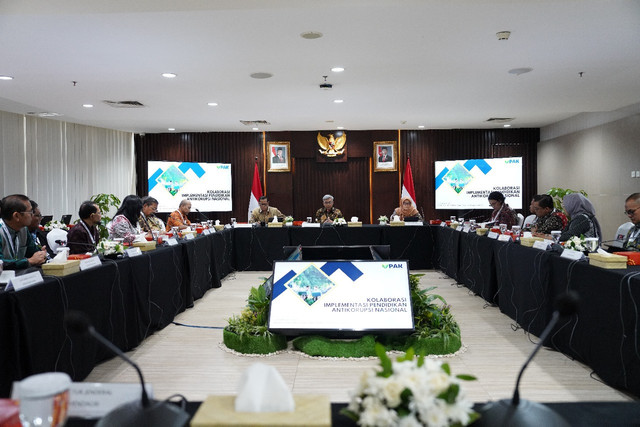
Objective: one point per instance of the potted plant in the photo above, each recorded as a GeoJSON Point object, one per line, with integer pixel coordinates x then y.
{"type": "Point", "coordinates": [558, 194]}
{"type": "Point", "coordinates": [288, 221]}
{"type": "Point", "coordinates": [105, 202]}
{"type": "Point", "coordinates": [383, 219]}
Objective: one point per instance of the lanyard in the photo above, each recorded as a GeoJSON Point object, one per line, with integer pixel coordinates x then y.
{"type": "Point", "coordinates": [497, 213]}
{"type": "Point", "coordinates": [93, 241]}
{"type": "Point", "coordinates": [13, 244]}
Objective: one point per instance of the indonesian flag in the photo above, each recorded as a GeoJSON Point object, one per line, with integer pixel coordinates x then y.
{"type": "Point", "coordinates": [407, 185]}
{"type": "Point", "coordinates": [256, 191]}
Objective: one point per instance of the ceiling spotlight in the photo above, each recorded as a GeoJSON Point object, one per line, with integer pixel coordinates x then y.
{"type": "Point", "coordinates": [503, 35]}
{"type": "Point", "coordinates": [169, 75]}
{"type": "Point", "coordinates": [261, 75]}
{"type": "Point", "coordinates": [87, 105]}
{"type": "Point", "coordinates": [255, 128]}
{"type": "Point", "coordinates": [311, 35]}
{"type": "Point", "coordinates": [337, 69]}
{"type": "Point", "coordinates": [212, 104]}
{"type": "Point", "coordinates": [421, 127]}
{"type": "Point", "coordinates": [171, 129]}
{"type": "Point", "coordinates": [518, 71]}
{"type": "Point", "coordinates": [506, 126]}
{"type": "Point", "coordinates": [338, 101]}
{"type": "Point", "coordinates": [6, 78]}
{"type": "Point", "coordinates": [340, 127]}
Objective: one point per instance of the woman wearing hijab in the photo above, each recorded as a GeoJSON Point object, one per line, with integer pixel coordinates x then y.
{"type": "Point", "coordinates": [583, 218]}
{"type": "Point", "coordinates": [406, 210]}
{"type": "Point", "coordinates": [502, 213]}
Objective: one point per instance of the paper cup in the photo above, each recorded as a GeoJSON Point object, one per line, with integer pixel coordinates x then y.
{"type": "Point", "coordinates": [44, 399]}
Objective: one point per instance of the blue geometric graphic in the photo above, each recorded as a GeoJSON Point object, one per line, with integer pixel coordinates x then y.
{"type": "Point", "coordinates": [480, 163]}
{"type": "Point", "coordinates": [347, 268]}
{"type": "Point", "coordinates": [195, 167]}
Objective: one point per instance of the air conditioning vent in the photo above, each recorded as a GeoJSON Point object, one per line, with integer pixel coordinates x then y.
{"type": "Point", "coordinates": [500, 119]}
{"type": "Point", "coordinates": [124, 104]}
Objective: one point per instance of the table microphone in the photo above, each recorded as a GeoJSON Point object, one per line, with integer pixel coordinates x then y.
{"type": "Point", "coordinates": [202, 215]}
{"type": "Point", "coordinates": [516, 412]}
{"type": "Point", "coordinates": [146, 412]}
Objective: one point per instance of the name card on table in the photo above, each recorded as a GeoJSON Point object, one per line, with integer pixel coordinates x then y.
{"type": "Point", "coordinates": [88, 263]}
{"type": "Point", "coordinates": [492, 235]}
{"type": "Point", "coordinates": [541, 244]}
{"type": "Point", "coordinates": [95, 400]}
{"type": "Point", "coordinates": [242, 225]}
{"type": "Point", "coordinates": [443, 224]}
{"type": "Point", "coordinates": [131, 252]}
{"type": "Point", "coordinates": [527, 234]}
{"type": "Point", "coordinates": [572, 255]}
{"type": "Point", "coordinates": [206, 231]}
{"type": "Point", "coordinates": [189, 236]}
{"type": "Point", "coordinates": [414, 223]}
{"type": "Point", "coordinates": [172, 241]}
{"type": "Point", "coordinates": [466, 229]}
{"type": "Point", "coordinates": [310, 225]}
{"type": "Point", "coordinates": [25, 281]}
{"type": "Point", "coordinates": [504, 238]}
{"type": "Point", "coordinates": [6, 276]}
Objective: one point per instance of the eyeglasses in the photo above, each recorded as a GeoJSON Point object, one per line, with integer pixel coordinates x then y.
{"type": "Point", "coordinates": [38, 215]}
{"type": "Point", "coordinates": [630, 212]}
{"type": "Point", "coordinates": [27, 212]}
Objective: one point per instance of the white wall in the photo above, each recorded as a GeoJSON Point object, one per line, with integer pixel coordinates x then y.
{"type": "Point", "coordinates": [595, 152]}
{"type": "Point", "coordinates": [60, 165]}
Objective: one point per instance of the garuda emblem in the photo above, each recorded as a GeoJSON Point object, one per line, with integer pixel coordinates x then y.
{"type": "Point", "coordinates": [332, 146]}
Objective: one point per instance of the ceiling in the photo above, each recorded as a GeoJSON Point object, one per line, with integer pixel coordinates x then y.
{"type": "Point", "coordinates": [408, 63]}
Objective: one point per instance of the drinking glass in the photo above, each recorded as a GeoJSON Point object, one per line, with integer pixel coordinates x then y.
{"type": "Point", "coordinates": [503, 228]}
{"type": "Point", "coordinates": [555, 235]}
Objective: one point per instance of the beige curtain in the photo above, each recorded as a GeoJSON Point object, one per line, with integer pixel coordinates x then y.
{"type": "Point", "coordinates": [59, 164]}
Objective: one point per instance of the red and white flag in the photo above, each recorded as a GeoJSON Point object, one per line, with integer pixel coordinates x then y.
{"type": "Point", "coordinates": [256, 191]}
{"type": "Point", "coordinates": [407, 185]}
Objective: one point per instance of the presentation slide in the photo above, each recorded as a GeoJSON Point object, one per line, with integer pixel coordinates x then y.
{"type": "Point", "coordinates": [466, 184]}
{"type": "Point", "coordinates": [206, 185]}
{"type": "Point", "coordinates": [340, 298]}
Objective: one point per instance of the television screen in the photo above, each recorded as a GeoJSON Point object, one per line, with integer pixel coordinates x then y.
{"type": "Point", "coordinates": [340, 298]}
{"type": "Point", "coordinates": [206, 185]}
{"type": "Point", "coordinates": [466, 184]}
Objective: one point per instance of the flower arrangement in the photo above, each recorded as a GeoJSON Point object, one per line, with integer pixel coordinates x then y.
{"type": "Point", "coordinates": [576, 243]}
{"type": "Point", "coordinates": [288, 219]}
{"type": "Point", "coordinates": [383, 219]}
{"type": "Point", "coordinates": [340, 221]}
{"type": "Point", "coordinates": [109, 247]}
{"type": "Point", "coordinates": [410, 392]}
{"type": "Point", "coordinates": [52, 225]}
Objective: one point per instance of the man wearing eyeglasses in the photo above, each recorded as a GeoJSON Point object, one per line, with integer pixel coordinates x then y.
{"type": "Point", "coordinates": [17, 248]}
{"type": "Point", "coordinates": [632, 209]}
{"type": "Point", "coordinates": [34, 227]}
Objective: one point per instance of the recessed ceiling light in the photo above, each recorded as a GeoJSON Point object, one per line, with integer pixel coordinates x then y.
{"type": "Point", "coordinates": [87, 105]}
{"type": "Point", "coordinates": [261, 75]}
{"type": "Point", "coordinates": [506, 126]}
{"type": "Point", "coordinates": [6, 78]}
{"type": "Point", "coordinates": [340, 127]}
{"type": "Point", "coordinates": [255, 128]}
{"type": "Point", "coordinates": [311, 35]}
{"type": "Point", "coordinates": [169, 75]}
{"type": "Point", "coordinates": [338, 101]}
{"type": "Point", "coordinates": [212, 104]}
{"type": "Point", "coordinates": [421, 127]}
{"type": "Point", "coordinates": [337, 69]}
{"type": "Point", "coordinates": [518, 71]}
{"type": "Point", "coordinates": [171, 129]}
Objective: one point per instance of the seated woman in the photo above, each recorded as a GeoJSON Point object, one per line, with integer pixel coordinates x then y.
{"type": "Point", "coordinates": [122, 225]}
{"type": "Point", "coordinates": [406, 210]}
{"type": "Point", "coordinates": [583, 218]}
{"type": "Point", "coordinates": [179, 218]}
{"type": "Point", "coordinates": [502, 213]}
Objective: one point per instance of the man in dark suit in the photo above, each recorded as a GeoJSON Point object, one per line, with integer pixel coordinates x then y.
{"type": "Point", "coordinates": [384, 157]}
{"type": "Point", "coordinates": [279, 158]}
{"type": "Point", "coordinates": [38, 236]}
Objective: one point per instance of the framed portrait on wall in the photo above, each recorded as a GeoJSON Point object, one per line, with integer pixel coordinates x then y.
{"type": "Point", "coordinates": [385, 156]}
{"type": "Point", "coordinates": [278, 157]}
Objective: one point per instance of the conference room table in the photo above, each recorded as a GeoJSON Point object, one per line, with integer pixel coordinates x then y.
{"type": "Point", "coordinates": [129, 299]}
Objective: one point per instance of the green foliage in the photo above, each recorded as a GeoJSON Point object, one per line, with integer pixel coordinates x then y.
{"type": "Point", "coordinates": [558, 194]}
{"type": "Point", "coordinates": [431, 320]}
{"type": "Point", "coordinates": [105, 202]}
{"type": "Point", "coordinates": [253, 318]}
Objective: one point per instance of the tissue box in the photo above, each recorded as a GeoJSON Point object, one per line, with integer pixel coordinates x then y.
{"type": "Point", "coordinates": [311, 410]}
{"type": "Point", "coordinates": [145, 246]}
{"type": "Point", "coordinates": [633, 258]}
{"type": "Point", "coordinates": [219, 227]}
{"type": "Point", "coordinates": [274, 224]}
{"type": "Point", "coordinates": [396, 223]}
{"type": "Point", "coordinates": [355, 224]}
{"type": "Point", "coordinates": [529, 241]}
{"type": "Point", "coordinates": [481, 231]}
{"type": "Point", "coordinates": [61, 269]}
{"type": "Point", "coordinates": [608, 261]}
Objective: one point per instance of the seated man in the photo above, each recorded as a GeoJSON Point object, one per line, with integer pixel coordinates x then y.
{"type": "Point", "coordinates": [148, 220]}
{"type": "Point", "coordinates": [632, 209]}
{"type": "Point", "coordinates": [84, 236]}
{"type": "Point", "coordinates": [17, 248]}
{"type": "Point", "coordinates": [327, 214]}
{"type": "Point", "coordinates": [547, 218]}
{"type": "Point", "coordinates": [531, 219]}
{"type": "Point", "coordinates": [39, 238]}
{"type": "Point", "coordinates": [264, 213]}
{"type": "Point", "coordinates": [179, 217]}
